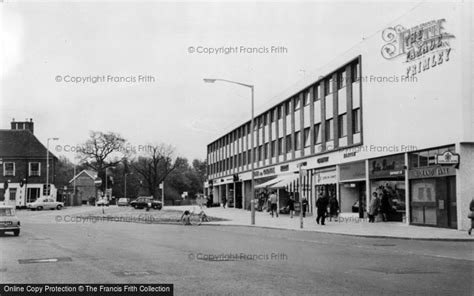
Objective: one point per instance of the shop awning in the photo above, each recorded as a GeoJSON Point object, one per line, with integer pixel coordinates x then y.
{"type": "Point", "coordinates": [268, 183]}
{"type": "Point", "coordinates": [285, 182]}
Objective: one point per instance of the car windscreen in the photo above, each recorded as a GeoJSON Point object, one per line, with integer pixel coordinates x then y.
{"type": "Point", "coordinates": [6, 212]}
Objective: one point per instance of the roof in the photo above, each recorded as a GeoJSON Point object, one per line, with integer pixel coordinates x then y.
{"type": "Point", "coordinates": [90, 173]}
{"type": "Point", "coordinates": [21, 144]}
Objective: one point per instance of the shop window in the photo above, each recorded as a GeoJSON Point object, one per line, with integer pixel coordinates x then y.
{"type": "Point", "coordinates": [307, 138]}
{"type": "Point", "coordinates": [356, 121]}
{"type": "Point", "coordinates": [317, 133]}
{"type": "Point", "coordinates": [9, 169]}
{"type": "Point", "coordinates": [342, 125]}
{"type": "Point", "coordinates": [329, 130]}
{"type": "Point", "coordinates": [34, 169]}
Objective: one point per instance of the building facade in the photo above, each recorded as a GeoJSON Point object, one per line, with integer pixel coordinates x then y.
{"type": "Point", "coordinates": [23, 164]}
{"type": "Point", "coordinates": [85, 186]}
{"type": "Point", "coordinates": [393, 115]}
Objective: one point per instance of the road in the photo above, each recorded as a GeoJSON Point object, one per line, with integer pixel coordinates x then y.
{"type": "Point", "coordinates": [285, 262]}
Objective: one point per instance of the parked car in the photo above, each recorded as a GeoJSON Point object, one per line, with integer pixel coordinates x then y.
{"type": "Point", "coordinates": [8, 220]}
{"type": "Point", "coordinates": [45, 203]}
{"type": "Point", "coordinates": [142, 202]}
{"type": "Point", "coordinates": [123, 202]}
{"type": "Point", "coordinates": [102, 202]}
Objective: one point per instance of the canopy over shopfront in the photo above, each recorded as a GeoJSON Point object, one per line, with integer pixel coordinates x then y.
{"type": "Point", "coordinates": [287, 180]}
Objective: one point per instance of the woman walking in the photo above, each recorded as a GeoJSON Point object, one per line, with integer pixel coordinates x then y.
{"type": "Point", "coordinates": [373, 207]}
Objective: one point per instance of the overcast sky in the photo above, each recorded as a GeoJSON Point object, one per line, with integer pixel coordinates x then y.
{"type": "Point", "coordinates": [47, 40]}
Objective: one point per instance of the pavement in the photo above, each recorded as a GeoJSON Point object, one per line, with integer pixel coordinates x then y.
{"type": "Point", "coordinates": [347, 224]}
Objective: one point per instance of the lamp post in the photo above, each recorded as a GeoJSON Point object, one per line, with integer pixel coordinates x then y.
{"type": "Point", "coordinates": [125, 181]}
{"type": "Point", "coordinates": [47, 164]}
{"type": "Point", "coordinates": [252, 186]}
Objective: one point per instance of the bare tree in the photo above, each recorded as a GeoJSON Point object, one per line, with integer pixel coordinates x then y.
{"type": "Point", "coordinates": [156, 165]}
{"type": "Point", "coordinates": [101, 151]}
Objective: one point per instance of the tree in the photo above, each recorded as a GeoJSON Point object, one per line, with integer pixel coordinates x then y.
{"type": "Point", "coordinates": [102, 151]}
{"type": "Point", "coordinates": [155, 167]}
{"type": "Point", "coordinates": [64, 172]}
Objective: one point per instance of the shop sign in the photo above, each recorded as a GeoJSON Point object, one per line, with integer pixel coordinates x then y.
{"type": "Point", "coordinates": [352, 171]}
{"type": "Point", "coordinates": [325, 177]}
{"type": "Point", "coordinates": [264, 172]}
{"type": "Point", "coordinates": [390, 166]}
{"type": "Point", "coordinates": [448, 158]}
{"type": "Point", "coordinates": [431, 172]}
{"type": "Point", "coordinates": [284, 168]}
{"type": "Point", "coordinates": [323, 159]}
{"type": "Point", "coordinates": [350, 154]}
{"type": "Point", "coordinates": [424, 46]}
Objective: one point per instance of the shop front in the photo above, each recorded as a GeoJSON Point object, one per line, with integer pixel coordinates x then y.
{"type": "Point", "coordinates": [432, 191]}
{"type": "Point", "coordinates": [352, 188]}
{"type": "Point", "coordinates": [324, 183]}
{"type": "Point", "coordinates": [387, 178]}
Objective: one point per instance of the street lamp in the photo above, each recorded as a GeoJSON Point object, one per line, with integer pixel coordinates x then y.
{"type": "Point", "coordinates": [125, 189]}
{"type": "Point", "coordinates": [252, 204]}
{"type": "Point", "coordinates": [47, 164]}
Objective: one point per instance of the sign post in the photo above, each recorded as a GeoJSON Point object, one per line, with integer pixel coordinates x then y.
{"type": "Point", "coordinates": [300, 189]}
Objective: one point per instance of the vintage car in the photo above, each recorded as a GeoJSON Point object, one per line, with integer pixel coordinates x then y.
{"type": "Point", "coordinates": [123, 202]}
{"type": "Point", "coordinates": [145, 202]}
{"type": "Point", "coordinates": [45, 203]}
{"type": "Point", "coordinates": [8, 220]}
{"type": "Point", "coordinates": [102, 202]}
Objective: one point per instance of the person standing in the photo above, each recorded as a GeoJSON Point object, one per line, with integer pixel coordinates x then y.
{"type": "Point", "coordinates": [273, 204]}
{"type": "Point", "coordinates": [471, 215]}
{"type": "Point", "coordinates": [291, 205]}
{"type": "Point", "coordinates": [333, 208]}
{"type": "Point", "coordinates": [224, 201]}
{"type": "Point", "coordinates": [373, 207]}
{"type": "Point", "coordinates": [322, 207]}
{"type": "Point", "coordinates": [385, 206]}
{"type": "Point", "coordinates": [304, 203]}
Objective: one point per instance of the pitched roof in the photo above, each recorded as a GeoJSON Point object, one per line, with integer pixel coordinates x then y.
{"type": "Point", "coordinates": [21, 144]}
{"type": "Point", "coordinates": [91, 173]}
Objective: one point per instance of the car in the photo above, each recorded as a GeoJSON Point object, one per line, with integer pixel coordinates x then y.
{"type": "Point", "coordinates": [45, 203]}
{"type": "Point", "coordinates": [102, 202]}
{"type": "Point", "coordinates": [142, 202]}
{"type": "Point", "coordinates": [123, 202]}
{"type": "Point", "coordinates": [9, 221]}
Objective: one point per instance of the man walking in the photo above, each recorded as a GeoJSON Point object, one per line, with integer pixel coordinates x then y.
{"type": "Point", "coordinates": [273, 204]}
{"type": "Point", "coordinates": [322, 205]}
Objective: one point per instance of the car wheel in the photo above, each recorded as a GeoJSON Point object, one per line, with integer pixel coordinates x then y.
{"type": "Point", "coordinates": [39, 208]}
{"type": "Point", "coordinates": [59, 207]}
{"type": "Point", "coordinates": [135, 207]}
{"type": "Point", "coordinates": [16, 232]}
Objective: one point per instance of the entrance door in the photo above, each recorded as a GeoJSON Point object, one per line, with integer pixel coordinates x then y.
{"type": "Point", "coordinates": [452, 208]}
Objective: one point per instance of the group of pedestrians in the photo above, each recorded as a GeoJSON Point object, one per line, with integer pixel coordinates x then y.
{"type": "Point", "coordinates": [322, 204]}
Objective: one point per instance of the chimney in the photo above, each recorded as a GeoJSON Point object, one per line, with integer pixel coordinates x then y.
{"type": "Point", "coordinates": [23, 125]}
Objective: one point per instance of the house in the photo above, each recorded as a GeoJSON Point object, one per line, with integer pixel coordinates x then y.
{"type": "Point", "coordinates": [85, 186]}
{"type": "Point", "coordinates": [23, 164]}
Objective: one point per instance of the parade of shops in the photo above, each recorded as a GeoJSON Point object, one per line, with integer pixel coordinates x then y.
{"type": "Point", "coordinates": [412, 138]}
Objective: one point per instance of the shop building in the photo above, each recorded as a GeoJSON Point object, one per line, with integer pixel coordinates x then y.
{"type": "Point", "coordinates": [394, 114]}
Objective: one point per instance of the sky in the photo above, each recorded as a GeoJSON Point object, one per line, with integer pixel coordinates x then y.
{"type": "Point", "coordinates": [137, 68]}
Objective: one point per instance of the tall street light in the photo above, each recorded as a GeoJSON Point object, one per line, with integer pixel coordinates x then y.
{"type": "Point", "coordinates": [47, 164]}
{"type": "Point", "coordinates": [252, 202]}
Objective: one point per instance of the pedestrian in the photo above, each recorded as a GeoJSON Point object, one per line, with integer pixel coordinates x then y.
{"type": "Point", "coordinates": [304, 204]}
{"type": "Point", "coordinates": [471, 215]}
{"type": "Point", "coordinates": [385, 206]}
{"type": "Point", "coordinates": [373, 207]}
{"type": "Point", "coordinates": [291, 205]}
{"type": "Point", "coordinates": [333, 208]}
{"type": "Point", "coordinates": [273, 204]}
{"type": "Point", "coordinates": [224, 201]}
{"type": "Point", "coordinates": [322, 208]}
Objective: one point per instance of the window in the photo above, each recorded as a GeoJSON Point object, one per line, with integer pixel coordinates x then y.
{"type": "Point", "coordinates": [287, 108]}
{"type": "Point", "coordinates": [273, 148]}
{"type": "Point", "coordinates": [329, 130]}
{"type": "Point", "coordinates": [307, 97]}
{"type": "Point", "coordinates": [328, 86]}
{"type": "Point", "coordinates": [288, 144]}
{"type": "Point", "coordinates": [279, 111]}
{"type": "Point", "coordinates": [297, 102]}
{"type": "Point", "coordinates": [297, 141]}
{"type": "Point", "coordinates": [356, 121]}
{"type": "Point", "coordinates": [355, 71]}
{"type": "Point", "coordinates": [244, 156]}
{"type": "Point", "coordinates": [317, 92]}
{"type": "Point", "coordinates": [265, 151]}
{"type": "Point", "coordinates": [34, 169]}
{"type": "Point", "coordinates": [280, 146]}
{"type": "Point", "coordinates": [341, 79]}
{"type": "Point", "coordinates": [9, 169]}
{"type": "Point", "coordinates": [307, 138]}
{"type": "Point", "coordinates": [342, 125]}
{"type": "Point", "coordinates": [272, 115]}
{"type": "Point", "coordinates": [317, 133]}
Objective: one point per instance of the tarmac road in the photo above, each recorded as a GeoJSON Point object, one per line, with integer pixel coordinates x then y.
{"type": "Point", "coordinates": [230, 260]}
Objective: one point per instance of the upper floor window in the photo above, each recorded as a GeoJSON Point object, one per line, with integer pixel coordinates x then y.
{"type": "Point", "coordinates": [317, 92]}
{"type": "Point", "coordinates": [297, 102]}
{"type": "Point", "coordinates": [341, 79]}
{"type": "Point", "coordinates": [328, 86]}
{"type": "Point", "coordinates": [355, 71]}
{"type": "Point", "coordinates": [307, 97]}
{"type": "Point", "coordinates": [9, 169]}
{"type": "Point", "coordinates": [34, 169]}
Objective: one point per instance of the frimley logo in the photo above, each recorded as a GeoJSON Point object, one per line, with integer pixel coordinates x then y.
{"type": "Point", "coordinates": [424, 46]}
